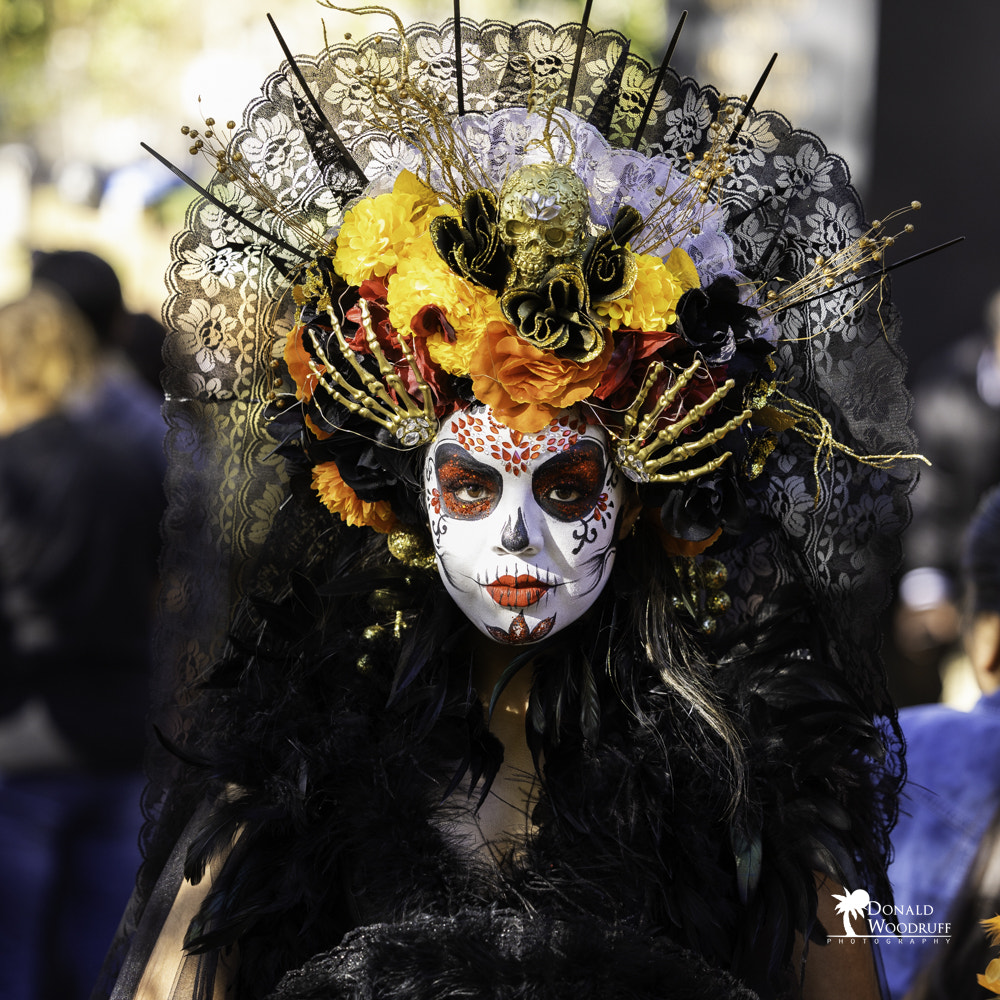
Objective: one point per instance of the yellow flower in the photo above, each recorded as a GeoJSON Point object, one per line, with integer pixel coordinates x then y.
{"type": "Point", "coordinates": [407, 183]}
{"type": "Point", "coordinates": [341, 500]}
{"type": "Point", "coordinates": [682, 266]}
{"type": "Point", "coordinates": [991, 979]}
{"type": "Point", "coordinates": [992, 927]}
{"type": "Point", "coordinates": [424, 291]}
{"type": "Point", "coordinates": [377, 230]}
{"type": "Point", "coordinates": [653, 300]}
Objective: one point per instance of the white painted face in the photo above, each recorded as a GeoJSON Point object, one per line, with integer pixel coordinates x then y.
{"type": "Point", "coordinates": [524, 526]}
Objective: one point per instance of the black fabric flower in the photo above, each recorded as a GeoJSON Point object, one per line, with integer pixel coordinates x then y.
{"type": "Point", "coordinates": [609, 267]}
{"type": "Point", "coordinates": [556, 317]}
{"type": "Point", "coordinates": [714, 321]}
{"type": "Point", "coordinates": [695, 510]}
{"type": "Point", "coordinates": [374, 467]}
{"type": "Point", "coordinates": [472, 247]}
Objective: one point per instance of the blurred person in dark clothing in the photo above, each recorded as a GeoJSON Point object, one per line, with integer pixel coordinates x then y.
{"type": "Point", "coordinates": [80, 504]}
{"type": "Point", "coordinates": [952, 793]}
{"type": "Point", "coordinates": [957, 418]}
{"type": "Point", "coordinates": [126, 390]}
{"type": "Point", "coordinates": [952, 971]}
{"type": "Point", "coordinates": [142, 343]}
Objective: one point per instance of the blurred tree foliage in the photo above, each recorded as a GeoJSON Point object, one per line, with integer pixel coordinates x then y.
{"type": "Point", "coordinates": [80, 62]}
{"type": "Point", "coordinates": [24, 32]}
{"type": "Point", "coordinates": [54, 50]}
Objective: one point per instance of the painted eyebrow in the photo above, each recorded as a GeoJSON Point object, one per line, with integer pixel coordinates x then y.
{"type": "Point", "coordinates": [586, 445]}
{"type": "Point", "coordinates": [450, 452]}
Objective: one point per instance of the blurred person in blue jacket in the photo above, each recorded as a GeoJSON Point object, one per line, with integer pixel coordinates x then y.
{"type": "Point", "coordinates": [953, 784]}
{"type": "Point", "coordinates": [80, 503]}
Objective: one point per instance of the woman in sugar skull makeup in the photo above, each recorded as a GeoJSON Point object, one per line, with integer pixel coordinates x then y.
{"type": "Point", "coordinates": [524, 526]}
{"type": "Point", "coordinates": [552, 670]}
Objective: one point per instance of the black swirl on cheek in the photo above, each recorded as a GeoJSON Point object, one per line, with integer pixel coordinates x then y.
{"type": "Point", "coordinates": [585, 534]}
{"type": "Point", "coordinates": [439, 528]}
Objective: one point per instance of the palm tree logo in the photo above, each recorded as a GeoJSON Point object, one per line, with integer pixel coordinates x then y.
{"type": "Point", "coordinates": [852, 905]}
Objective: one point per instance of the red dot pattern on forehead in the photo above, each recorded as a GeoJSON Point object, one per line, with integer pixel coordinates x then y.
{"type": "Point", "coordinates": [480, 433]}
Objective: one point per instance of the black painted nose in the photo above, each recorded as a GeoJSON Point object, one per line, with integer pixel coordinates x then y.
{"type": "Point", "coordinates": [515, 537]}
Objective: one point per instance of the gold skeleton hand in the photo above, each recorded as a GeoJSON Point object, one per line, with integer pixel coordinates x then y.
{"type": "Point", "coordinates": [641, 461]}
{"type": "Point", "coordinates": [412, 424]}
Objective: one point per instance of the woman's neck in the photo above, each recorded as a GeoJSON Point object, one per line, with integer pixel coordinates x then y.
{"type": "Point", "coordinates": [505, 815]}
{"type": "Point", "coordinates": [490, 659]}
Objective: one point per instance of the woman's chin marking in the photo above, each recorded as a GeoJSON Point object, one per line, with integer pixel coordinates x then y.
{"type": "Point", "coordinates": [519, 633]}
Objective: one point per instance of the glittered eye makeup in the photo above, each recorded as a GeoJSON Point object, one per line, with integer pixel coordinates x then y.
{"type": "Point", "coordinates": [469, 489]}
{"type": "Point", "coordinates": [568, 486]}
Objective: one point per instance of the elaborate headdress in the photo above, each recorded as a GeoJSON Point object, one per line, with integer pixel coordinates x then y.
{"type": "Point", "coordinates": [435, 217]}
{"type": "Point", "coordinates": [387, 242]}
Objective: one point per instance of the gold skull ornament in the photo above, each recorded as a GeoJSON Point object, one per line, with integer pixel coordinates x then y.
{"type": "Point", "coordinates": [543, 219]}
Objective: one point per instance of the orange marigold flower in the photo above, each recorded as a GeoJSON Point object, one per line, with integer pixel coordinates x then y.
{"type": "Point", "coordinates": [526, 387]}
{"type": "Point", "coordinates": [340, 499]}
{"type": "Point", "coordinates": [423, 279]}
{"type": "Point", "coordinates": [651, 304]}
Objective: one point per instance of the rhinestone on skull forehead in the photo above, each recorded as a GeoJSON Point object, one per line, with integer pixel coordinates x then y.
{"type": "Point", "coordinates": [480, 432]}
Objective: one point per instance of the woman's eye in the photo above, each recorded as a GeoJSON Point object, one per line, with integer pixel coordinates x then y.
{"type": "Point", "coordinates": [472, 493]}
{"type": "Point", "coordinates": [469, 499]}
{"type": "Point", "coordinates": [564, 494]}
{"type": "Point", "coordinates": [568, 486]}
{"type": "Point", "coordinates": [469, 489]}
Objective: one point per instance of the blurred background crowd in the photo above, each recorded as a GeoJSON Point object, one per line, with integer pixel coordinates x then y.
{"type": "Point", "coordinates": [904, 89]}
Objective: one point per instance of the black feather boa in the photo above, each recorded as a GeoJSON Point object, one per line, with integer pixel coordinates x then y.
{"type": "Point", "coordinates": [503, 954]}
{"type": "Point", "coordinates": [327, 743]}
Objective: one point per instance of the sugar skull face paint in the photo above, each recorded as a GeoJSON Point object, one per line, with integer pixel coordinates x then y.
{"type": "Point", "coordinates": [524, 526]}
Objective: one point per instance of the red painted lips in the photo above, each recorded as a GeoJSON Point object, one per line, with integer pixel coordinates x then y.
{"type": "Point", "coordinates": [519, 591]}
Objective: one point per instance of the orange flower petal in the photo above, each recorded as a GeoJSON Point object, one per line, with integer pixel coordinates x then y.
{"type": "Point", "coordinates": [341, 500]}
{"type": "Point", "coordinates": [297, 361]}
{"type": "Point", "coordinates": [526, 387]}
{"type": "Point", "coordinates": [320, 434]}
{"type": "Point", "coordinates": [993, 985]}
{"type": "Point", "coordinates": [672, 545]}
